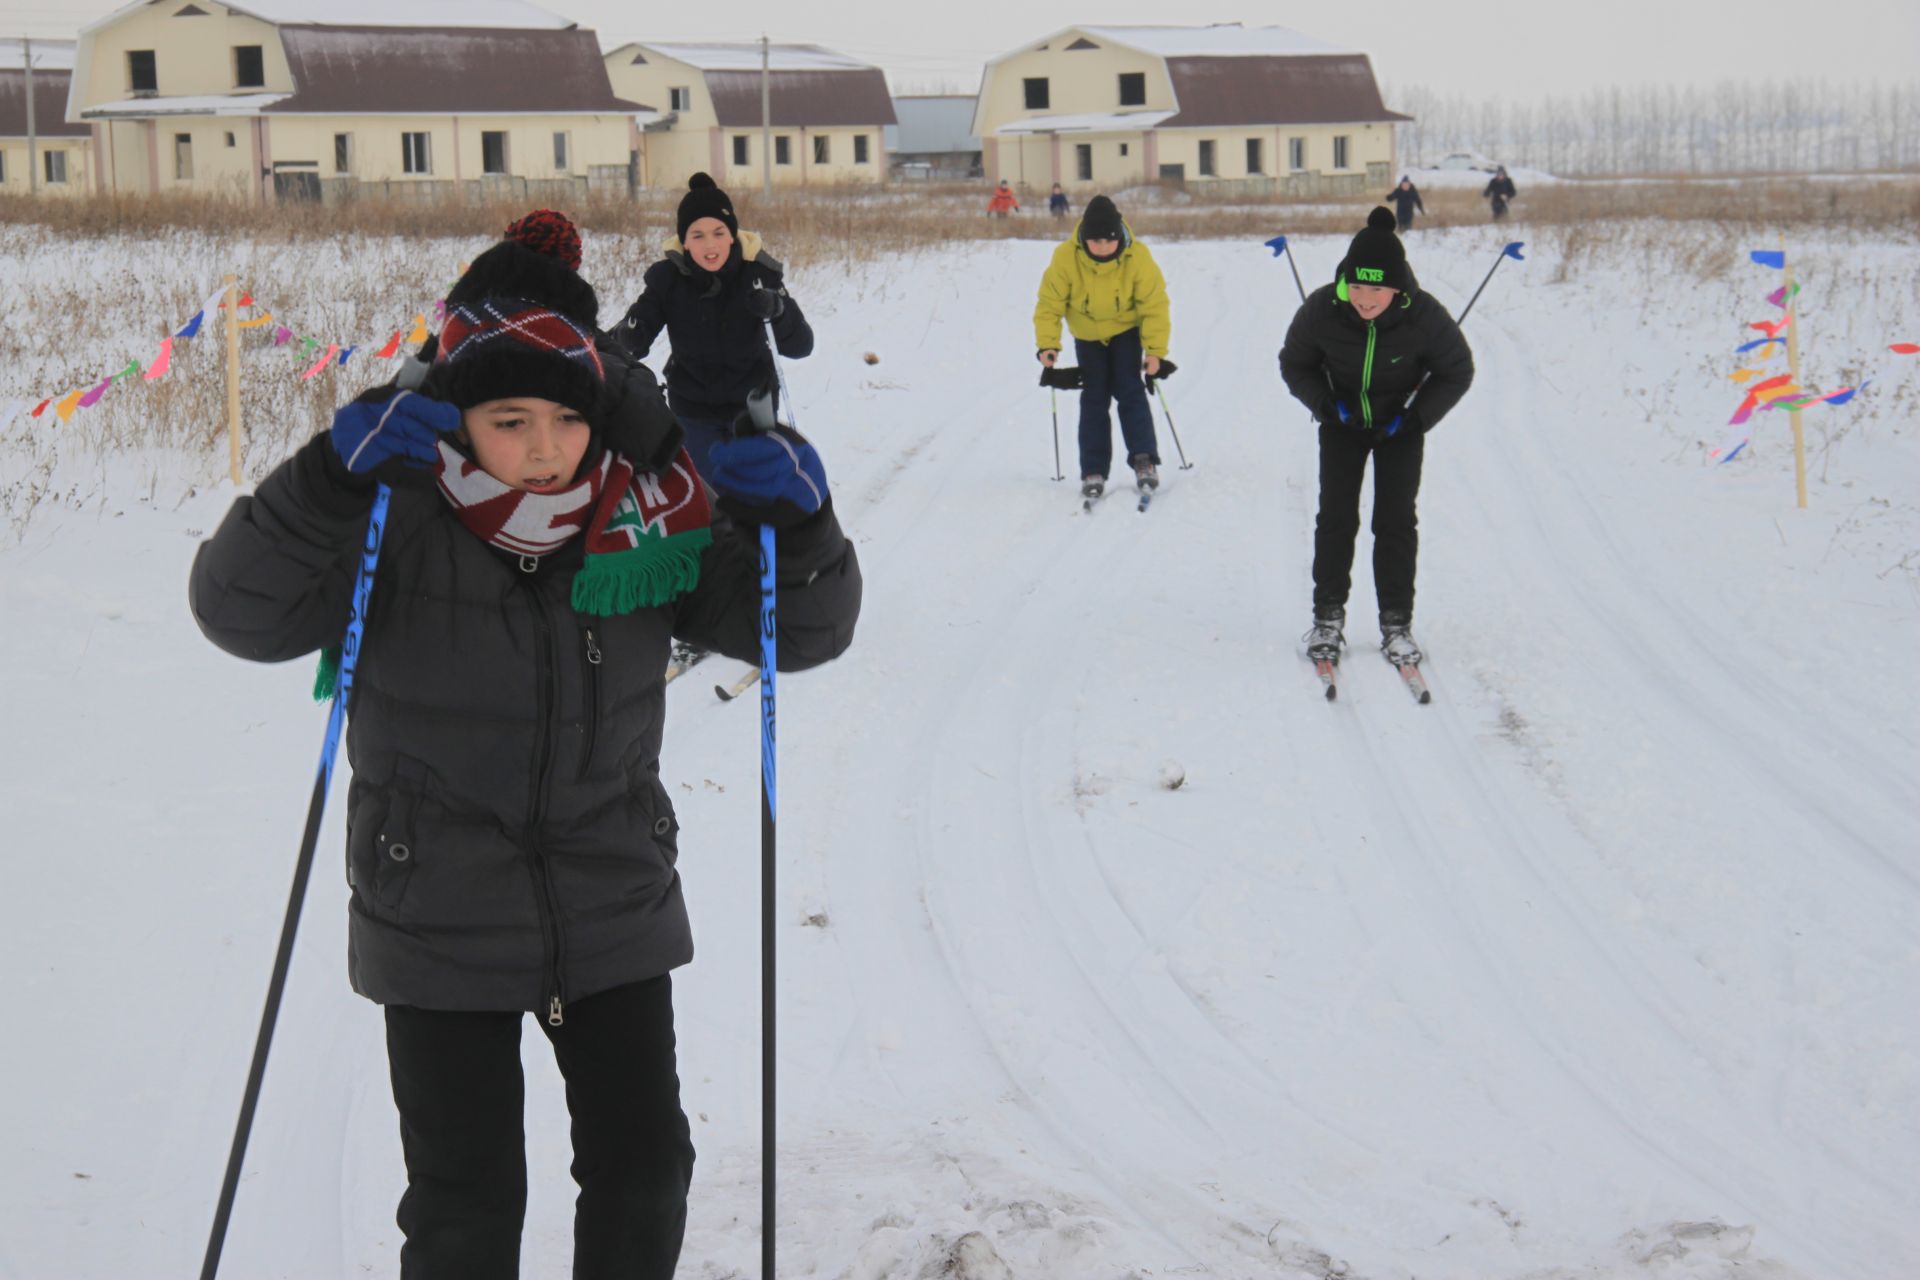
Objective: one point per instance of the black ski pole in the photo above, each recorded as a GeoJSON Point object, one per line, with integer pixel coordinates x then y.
{"type": "Point", "coordinates": [1511, 251]}
{"type": "Point", "coordinates": [1280, 250]}
{"type": "Point", "coordinates": [1053, 397]}
{"type": "Point", "coordinates": [283, 960]}
{"type": "Point", "coordinates": [1173, 430]}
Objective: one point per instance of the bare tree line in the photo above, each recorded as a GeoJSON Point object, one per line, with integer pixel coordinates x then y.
{"type": "Point", "coordinates": [1785, 126]}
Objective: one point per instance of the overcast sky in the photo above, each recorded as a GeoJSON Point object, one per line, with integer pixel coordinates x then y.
{"type": "Point", "coordinates": [1512, 48]}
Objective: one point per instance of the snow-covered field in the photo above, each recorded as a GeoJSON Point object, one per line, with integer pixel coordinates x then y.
{"type": "Point", "coordinates": [1109, 949]}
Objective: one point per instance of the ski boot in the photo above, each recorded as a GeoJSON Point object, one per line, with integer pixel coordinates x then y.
{"type": "Point", "coordinates": [1092, 487]}
{"type": "Point", "coordinates": [1146, 476]}
{"type": "Point", "coordinates": [1396, 638]}
{"type": "Point", "coordinates": [1328, 635]}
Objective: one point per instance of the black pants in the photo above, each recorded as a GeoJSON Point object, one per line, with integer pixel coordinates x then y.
{"type": "Point", "coordinates": [457, 1083]}
{"type": "Point", "coordinates": [1110, 371]}
{"type": "Point", "coordinates": [1396, 526]}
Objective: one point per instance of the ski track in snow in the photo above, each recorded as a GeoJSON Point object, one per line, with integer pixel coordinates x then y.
{"type": "Point", "coordinates": [1601, 966]}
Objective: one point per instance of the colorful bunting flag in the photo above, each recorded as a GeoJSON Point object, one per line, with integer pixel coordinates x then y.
{"type": "Point", "coordinates": [321, 363]}
{"type": "Point", "coordinates": [1905, 348]}
{"type": "Point", "coordinates": [41, 407]}
{"type": "Point", "coordinates": [391, 349]}
{"type": "Point", "coordinates": [256, 322]}
{"type": "Point", "coordinates": [1775, 258]}
{"type": "Point", "coordinates": [282, 336]}
{"type": "Point", "coordinates": [1771, 328]}
{"type": "Point", "coordinates": [419, 333]}
{"type": "Point", "coordinates": [158, 369]}
{"type": "Point", "coordinates": [1758, 342]}
{"type": "Point", "coordinates": [65, 409]}
{"type": "Point", "coordinates": [344, 354]}
{"type": "Point", "coordinates": [92, 397]}
{"type": "Point", "coordinates": [131, 371]}
{"type": "Point", "coordinates": [192, 327]}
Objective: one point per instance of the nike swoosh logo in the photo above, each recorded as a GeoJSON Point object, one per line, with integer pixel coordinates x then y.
{"type": "Point", "coordinates": [1396, 360]}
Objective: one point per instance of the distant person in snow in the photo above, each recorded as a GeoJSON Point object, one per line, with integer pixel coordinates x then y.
{"type": "Point", "coordinates": [713, 291]}
{"type": "Point", "coordinates": [1500, 190]}
{"type": "Point", "coordinates": [1057, 202]}
{"type": "Point", "coordinates": [510, 845]}
{"type": "Point", "coordinates": [1003, 202]}
{"type": "Point", "coordinates": [1405, 198]}
{"type": "Point", "coordinates": [1108, 288]}
{"type": "Point", "coordinates": [1355, 354]}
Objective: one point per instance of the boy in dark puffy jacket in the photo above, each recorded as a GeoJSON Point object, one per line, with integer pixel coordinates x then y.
{"type": "Point", "coordinates": [1357, 351]}
{"type": "Point", "coordinates": [713, 292]}
{"type": "Point", "coordinates": [510, 845]}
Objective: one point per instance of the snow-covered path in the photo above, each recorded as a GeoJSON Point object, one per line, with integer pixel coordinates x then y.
{"type": "Point", "coordinates": [1106, 937]}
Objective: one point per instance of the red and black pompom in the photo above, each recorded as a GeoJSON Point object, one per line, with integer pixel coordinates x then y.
{"type": "Point", "coordinates": [550, 232]}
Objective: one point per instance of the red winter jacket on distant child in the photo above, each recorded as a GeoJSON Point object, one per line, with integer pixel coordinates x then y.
{"type": "Point", "coordinates": [1003, 202]}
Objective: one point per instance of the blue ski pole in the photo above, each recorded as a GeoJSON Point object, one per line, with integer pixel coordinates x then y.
{"type": "Point", "coordinates": [276, 986]}
{"type": "Point", "coordinates": [768, 812]}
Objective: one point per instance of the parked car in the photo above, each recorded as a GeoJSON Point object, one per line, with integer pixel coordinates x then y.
{"type": "Point", "coordinates": [1468, 160]}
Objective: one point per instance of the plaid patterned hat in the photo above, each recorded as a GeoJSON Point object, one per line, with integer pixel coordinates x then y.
{"type": "Point", "coordinates": [493, 348]}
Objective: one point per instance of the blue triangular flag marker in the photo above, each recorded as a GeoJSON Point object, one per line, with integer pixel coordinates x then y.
{"type": "Point", "coordinates": [192, 326]}
{"type": "Point", "coordinates": [1513, 250]}
{"type": "Point", "coordinates": [1278, 244]}
{"type": "Point", "coordinates": [344, 354]}
{"type": "Point", "coordinates": [1775, 258]}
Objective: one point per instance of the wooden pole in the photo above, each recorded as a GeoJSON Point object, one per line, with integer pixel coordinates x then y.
{"type": "Point", "coordinates": [232, 297]}
{"type": "Point", "coordinates": [1793, 370]}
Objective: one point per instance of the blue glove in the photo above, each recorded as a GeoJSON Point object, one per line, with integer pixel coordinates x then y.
{"type": "Point", "coordinates": [384, 434]}
{"type": "Point", "coordinates": [1393, 428]}
{"type": "Point", "coordinates": [767, 477]}
{"type": "Point", "coordinates": [1345, 414]}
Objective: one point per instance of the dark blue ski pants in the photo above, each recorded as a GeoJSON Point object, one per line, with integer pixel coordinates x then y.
{"type": "Point", "coordinates": [1110, 370]}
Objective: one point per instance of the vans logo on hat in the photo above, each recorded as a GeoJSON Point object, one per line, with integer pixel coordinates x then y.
{"type": "Point", "coordinates": [1370, 275]}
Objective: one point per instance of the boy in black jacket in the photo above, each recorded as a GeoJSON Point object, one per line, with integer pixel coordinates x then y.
{"type": "Point", "coordinates": [713, 293]}
{"type": "Point", "coordinates": [510, 845]}
{"type": "Point", "coordinates": [1355, 355]}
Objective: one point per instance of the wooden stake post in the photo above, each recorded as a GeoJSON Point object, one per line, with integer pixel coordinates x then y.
{"type": "Point", "coordinates": [232, 296]}
{"type": "Point", "coordinates": [1793, 368]}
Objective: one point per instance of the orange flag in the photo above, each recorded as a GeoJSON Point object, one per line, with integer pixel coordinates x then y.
{"type": "Point", "coordinates": [67, 407]}
{"type": "Point", "coordinates": [419, 333]}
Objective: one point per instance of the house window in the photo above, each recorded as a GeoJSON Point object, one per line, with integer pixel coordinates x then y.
{"type": "Point", "coordinates": [1133, 88]}
{"type": "Point", "coordinates": [3, 167]}
{"type": "Point", "coordinates": [142, 75]}
{"type": "Point", "coordinates": [183, 157]}
{"type": "Point", "coordinates": [1256, 163]}
{"type": "Point", "coordinates": [415, 155]}
{"type": "Point", "coordinates": [860, 153]}
{"type": "Point", "coordinates": [782, 149]}
{"type": "Point", "coordinates": [1206, 158]}
{"type": "Point", "coordinates": [1037, 96]}
{"type": "Point", "coordinates": [1340, 152]}
{"type": "Point", "coordinates": [493, 151]}
{"type": "Point", "coordinates": [822, 153]}
{"type": "Point", "coordinates": [249, 68]}
{"type": "Point", "coordinates": [1083, 161]}
{"type": "Point", "coordinates": [1296, 154]}
{"type": "Point", "coordinates": [56, 166]}
{"type": "Point", "coordinates": [1123, 148]}
{"type": "Point", "coordinates": [343, 153]}
{"type": "Point", "coordinates": [562, 153]}
{"type": "Point", "coordinates": [680, 99]}
{"type": "Point", "coordinates": [230, 141]}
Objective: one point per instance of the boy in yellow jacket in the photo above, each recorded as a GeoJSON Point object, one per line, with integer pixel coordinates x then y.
{"type": "Point", "coordinates": [1114, 300]}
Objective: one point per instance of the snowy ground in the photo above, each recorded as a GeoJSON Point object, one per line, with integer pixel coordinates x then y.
{"type": "Point", "coordinates": [1602, 966]}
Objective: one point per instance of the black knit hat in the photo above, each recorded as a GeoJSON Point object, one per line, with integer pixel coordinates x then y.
{"type": "Point", "coordinates": [1376, 256]}
{"type": "Point", "coordinates": [704, 200]}
{"type": "Point", "coordinates": [521, 322]}
{"type": "Point", "coordinates": [1101, 221]}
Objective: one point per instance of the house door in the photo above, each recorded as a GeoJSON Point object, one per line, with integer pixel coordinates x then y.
{"type": "Point", "coordinates": [1083, 161]}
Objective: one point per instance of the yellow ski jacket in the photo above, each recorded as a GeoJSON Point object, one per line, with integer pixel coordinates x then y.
{"type": "Point", "coordinates": [1102, 299]}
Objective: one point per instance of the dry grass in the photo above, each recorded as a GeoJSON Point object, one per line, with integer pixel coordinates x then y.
{"type": "Point", "coordinates": [861, 223]}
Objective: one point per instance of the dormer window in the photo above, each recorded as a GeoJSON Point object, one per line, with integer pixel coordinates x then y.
{"type": "Point", "coordinates": [1133, 88]}
{"type": "Point", "coordinates": [249, 67]}
{"type": "Point", "coordinates": [142, 75]}
{"type": "Point", "coordinates": [1037, 96]}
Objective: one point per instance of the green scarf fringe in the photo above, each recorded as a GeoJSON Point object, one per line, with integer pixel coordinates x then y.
{"type": "Point", "coordinates": [649, 575]}
{"type": "Point", "coordinates": [327, 678]}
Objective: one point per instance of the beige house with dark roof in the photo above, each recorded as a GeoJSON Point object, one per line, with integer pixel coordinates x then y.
{"type": "Point", "coordinates": [829, 112]}
{"type": "Point", "coordinates": [61, 152]}
{"type": "Point", "coordinates": [325, 99]}
{"type": "Point", "coordinates": [1253, 109]}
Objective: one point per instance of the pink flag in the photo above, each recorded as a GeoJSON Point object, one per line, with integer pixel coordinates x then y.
{"type": "Point", "coordinates": [321, 363]}
{"type": "Point", "coordinates": [160, 362]}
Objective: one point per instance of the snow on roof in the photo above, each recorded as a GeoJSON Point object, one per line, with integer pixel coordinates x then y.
{"type": "Point", "coordinates": [746, 57]}
{"type": "Point", "coordinates": [516, 14]}
{"type": "Point", "coordinates": [238, 104]}
{"type": "Point", "coordinates": [48, 55]}
{"type": "Point", "coordinates": [1087, 122]}
{"type": "Point", "coordinates": [1222, 40]}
